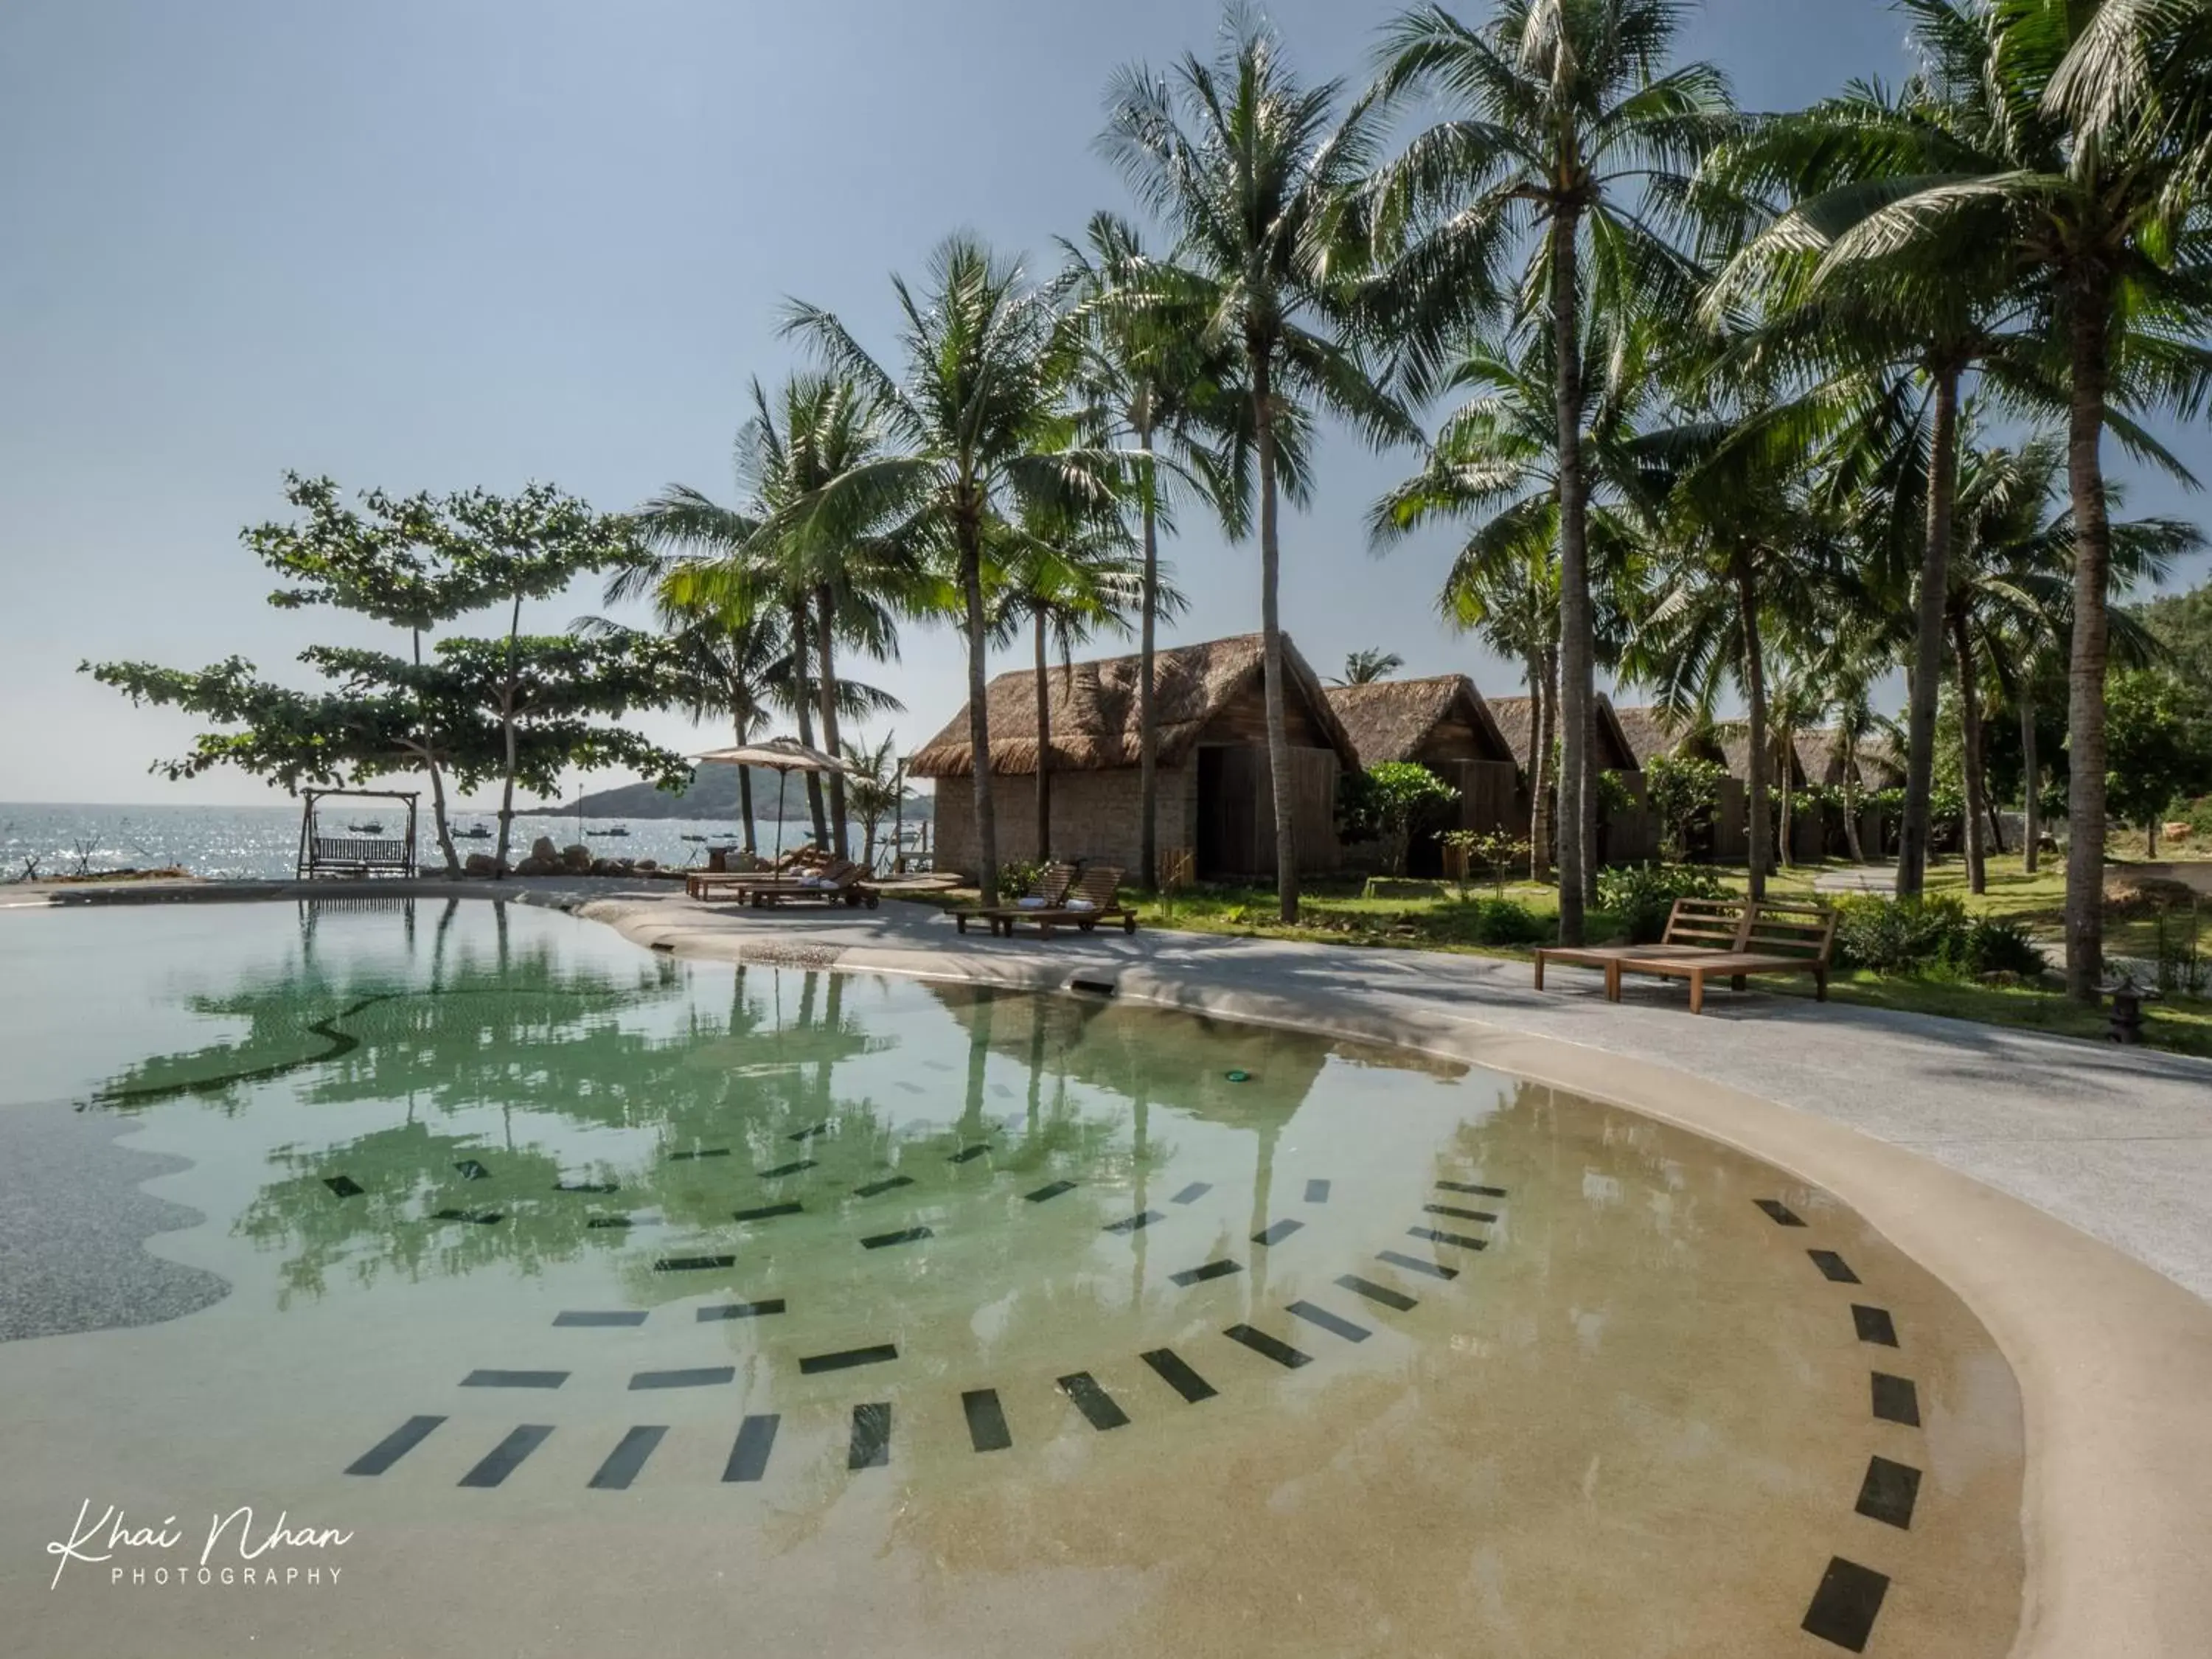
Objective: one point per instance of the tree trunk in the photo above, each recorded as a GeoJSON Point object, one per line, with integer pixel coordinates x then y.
{"type": "Point", "coordinates": [1271, 623]}
{"type": "Point", "coordinates": [1789, 856]}
{"type": "Point", "coordinates": [2085, 703]}
{"type": "Point", "coordinates": [2150, 845]}
{"type": "Point", "coordinates": [803, 707]}
{"type": "Point", "coordinates": [1576, 650]}
{"type": "Point", "coordinates": [2030, 806]}
{"type": "Point", "coordinates": [979, 716]}
{"type": "Point", "coordinates": [1913, 832]}
{"type": "Point", "coordinates": [1540, 769]}
{"type": "Point", "coordinates": [1970, 751]}
{"type": "Point", "coordinates": [507, 736]}
{"type": "Point", "coordinates": [745, 791]}
{"type": "Point", "coordinates": [1148, 736]}
{"type": "Point", "coordinates": [1850, 765]}
{"type": "Point", "coordinates": [1754, 675]}
{"type": "Point", "coordinates": [825, 685]}
{"type": "Point", "coordinates": [437, 779]}
{"type": "Point", "coordinates": [1044, 746]}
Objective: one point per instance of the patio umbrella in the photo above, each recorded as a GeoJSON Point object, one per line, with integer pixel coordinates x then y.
{"type": "Point", "coordinates": [783, 756]}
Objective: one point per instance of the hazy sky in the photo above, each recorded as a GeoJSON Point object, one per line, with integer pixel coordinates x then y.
{"type": "Point", "coordinates": [439, 243]}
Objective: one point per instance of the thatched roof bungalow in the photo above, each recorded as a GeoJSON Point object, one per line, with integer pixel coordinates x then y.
{"type": "Point", "coordinates": [1215, 800]}
{"type": "Point", "coordinates": [1444, 724]}
{"type": "Point", "coordinates": [1516, 719]}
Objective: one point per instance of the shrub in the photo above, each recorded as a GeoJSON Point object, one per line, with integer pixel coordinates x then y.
{"type": "Point", "coordinates": [2199, 815]}
{"type": "Point", "coordinates": [1901, 936]}
{"type": "Point", "coordinates": [1992, 946]}
{"type": "Point", "coordinates": [1640, 896]}
{"type": "Point", "coordinates": [1501, 921]}
{"type": "Point", "coordinates": [1016, 876]}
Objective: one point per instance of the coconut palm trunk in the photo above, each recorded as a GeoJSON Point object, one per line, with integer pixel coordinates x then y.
{"type": "Point", "coordinates": [507, 737]}
{"type": "Point", "coordinates": [2085, 704]}
{"type": "Point", "coordinates": [1148, 732]}
{"type": "Point", "coordinates": [825, 685]}
{"type": "Point", "coordinates": [1754, 676]}
{"type": "Point", "coordinates": [2032, 771]}
{"type": "Point", "coordinates": [1916, 828]}
{"type": "Point", "coordinates": [1045, 743]}
{"type": "Point", "coordinates": [739, 729]}
{"type": "Point", "coordinates": [1851, 809]}
{"type": "Point", "coordinates": [979, 718]}
{"type": "Point", "coordinates": [1539, 767]}
{"type": "Point", "coordinates": [802, 693]}
{"type": "Point", "coordinates": [1271, 623]}
{"type": "Point", "coordinates": [1970, 750]}
{"type": "Point", "coordinates": [1576, 650]}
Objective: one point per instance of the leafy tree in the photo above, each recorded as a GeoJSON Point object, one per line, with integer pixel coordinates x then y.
{"type": "Point", "coordinates": [2160, 747]}
{"type": "Point", "coordinates": [1566, 136]}
{"type": "Point", "coordinates": [975, 433]}
{"type": "Point", "coordinates": [1684, 791]}
{"type": "Point", "coordinates": [1387, 801]}
{"type": "Point", "coordinates": [1253, 173]}
{"type": "Point", "coordinates": [1367, 666]}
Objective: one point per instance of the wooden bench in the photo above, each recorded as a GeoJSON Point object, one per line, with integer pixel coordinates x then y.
{"type": "Point", "coordinates": [1694, 926]}
{"type": "Point", "coordinates": [343, 855]}
{"type": "Point", "coordinates": [1095, 899]}
{"type": "Point", "coordinates": [1710, 939]}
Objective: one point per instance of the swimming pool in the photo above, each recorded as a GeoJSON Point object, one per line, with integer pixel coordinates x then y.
{"type": "Point", "coordinates": [603, 1297]}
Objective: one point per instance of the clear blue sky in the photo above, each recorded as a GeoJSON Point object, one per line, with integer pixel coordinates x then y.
{"type": "Point", "coordinates": [438, 243]}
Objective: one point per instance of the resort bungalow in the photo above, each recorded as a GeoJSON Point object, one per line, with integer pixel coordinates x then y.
{"type": "Point", "coordinates": [1216, 801]}
{"type": "Point", "coordinates": [1827, 763]}
{"type": "Point", "coordinates": [1444, 724]}
{"type": "Point", "coordinates": [1626, 834]}
{"type": "Point", "coordinates": [1651, 733]}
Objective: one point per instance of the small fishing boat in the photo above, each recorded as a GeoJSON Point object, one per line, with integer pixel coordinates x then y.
{"type": "Point", "coordinates": [474, 832]}
{"type": "Point", "coordinates": [694, 838]}
{"type": "Point", "coordinates": [371, 829]}
{"type": "Point", "coordinates": [617, 830]}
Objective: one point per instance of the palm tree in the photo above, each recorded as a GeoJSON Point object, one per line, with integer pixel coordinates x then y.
{"type": "Point", "coordinates": [2082, 180]}
{"type": "Point", "coordinates": [876, 789]}
{"type": "Point", "coordinates": [1367, 665]}
{"type": "Point", "coordinates": [974, 436]}
{"type": "Point", "coordinates": [1563, 126]}
{"type": "Point", "coordinates": [1148, 376]}
{"type": "Point", "coordinates": [1254, 175]}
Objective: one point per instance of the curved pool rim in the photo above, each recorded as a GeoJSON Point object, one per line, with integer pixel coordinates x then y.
{"type": "Point", "coordinates": [2113, 1360]}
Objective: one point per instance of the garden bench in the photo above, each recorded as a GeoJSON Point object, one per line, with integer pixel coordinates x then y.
{"type": "Point", "coordinates": [1694, 927]}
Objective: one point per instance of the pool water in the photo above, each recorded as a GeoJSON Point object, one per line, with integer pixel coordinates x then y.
{"type": "Point", "coordinates": [608, 1299]}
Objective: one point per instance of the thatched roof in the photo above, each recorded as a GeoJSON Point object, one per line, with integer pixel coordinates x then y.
{"type": "Point", "coordinates": [1880, 765]}
{"type": "Point", "coordinates": [1092, 709]}
{"type": "Point", "coordinates": [1391, 720]}
{"type": "Point", "coordinates": [1516, 720]}
{"type": "Point", "coordinates": [1818, 757]}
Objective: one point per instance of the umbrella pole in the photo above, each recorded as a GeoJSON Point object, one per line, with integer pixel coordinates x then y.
{"type": "Point", "coordinates": [782, 777]}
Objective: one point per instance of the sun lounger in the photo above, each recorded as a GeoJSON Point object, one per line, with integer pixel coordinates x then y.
{"type": "Point", "coordinates": [1775, 938]}
{"type": "Point", "coordinates": [840, 882]}
{"type": "Point", "coordinates": [1092, 902]}
{"type": "Point", "coordinates": [1694, 927]}
{"type": "Point", "coordinates": [738, 884]}
{"type": "Point", "coordinates": [1047, 888]}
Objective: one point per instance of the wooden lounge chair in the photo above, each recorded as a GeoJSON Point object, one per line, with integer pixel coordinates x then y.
{"type": "Point", "coordinates": [737, 884]}
{"type": "Point", "coordinates": [1774, 939]}
{"type": "Point", "coordinates": [839, 882]}
{"type": "Point", "coordinates": [1047, 888]}
{"type": "Point", "coordinates": [1092, 902]}
{"type": "Point", "coordinates": [1694, 927]}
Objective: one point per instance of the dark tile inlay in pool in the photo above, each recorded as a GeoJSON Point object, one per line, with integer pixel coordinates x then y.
{"type": "Point", "coordinates": [1469, 1186]}
{"type": "Point", "coordinates": [1374, 1293]}
{"type": "Point", "coordinates": [1896, 1400]}
{"type": "Point", "coordinates": [782, 1169]}
{"type": "Point", "coordinates": [1414, 1264]}
{"type": "Point", "coordinates": [845, 1359]}
{"type": "Point", "coordinates": [344, 1186]}
{"type": "Point", "coordinates": [768, 1212]}
{"type": "Point", "coordinates": [1329, 1322]}
{"type": "Point", "coordinates": [1316, 1192]}
{"type": "Point", "coordinates": [1889, 1492]}
{"type": "Point", "coordinates": [1260, 1342]}
{"type": "Point", "coordinates": [749, 1456]}
{"type": "Point", "coordinates": [1460, 1241]}
{"type": "Point", "coordinates": [586, 1187]}
{"type": "Point", "coordinates": [1457, 1213]}
{"type": "Point", "coordinates": [620, 1317]}
{"type": "Point", "coordinates": [394, 1446]}
{"type": "Point", "coordinates": [1276, 1232]}
{"type": "Point", "coordinates": [481, 1218]}
{"type": "Point", "coordinates": [514, 1379]}
{"type": "Point", "coordinates": [904, 1236]}
{"type": "Point", "coordinates": [1192, 1194]}
{"type": "Point", "coordinates": [472, 1170]}
{"type": "Point", "coordinates": [808, 1133]}
{"type": "Point", "coordinates": [1845, 1606]}
{"type": "Point", "coordinates": [711, 1152]}
{"type": "Point", "coordinates": [767, 1305]}
{"type": "Point", "coordinates": [872, 1437]}
{"type": "Point", "coordinates": [876, 1189]}
{"type": "Point", "coordinates": [1129, 1224]}
{"type": "Point", "coordinates": [1190, 1276]}
{"type": "Point", "coordinates": [1832, 1267]}
{"type": "Point", "coordinates": [987, 1420]}
{"type": "Point", "coordinates": [698, 1376]}
{"type": "Point", "coordinates": [627, 1457]}
{"type": "Point", "coordinates": [1093, 1401]}
{"type": "Point", "coordinates": [689, 1264]}
{"type": "Point", "coordinates": [608, 1221]}
{"type": "Point", "coordinates": [1054, 1191]}
{"type": "Point", "coordinates": [1875, 1325]}
{"type": "Point", "coordinates": [1178, 1375]}
{"type": "Point", "coordinates": [968, 1152]}
{"type": "Point", "coordinates": [1779, 1212]}
{"type": "Point", "coordinates": [504, 1458]}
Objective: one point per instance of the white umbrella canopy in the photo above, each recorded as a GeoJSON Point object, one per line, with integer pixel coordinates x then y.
{"type": "Point", "coordinates": [782, 755]}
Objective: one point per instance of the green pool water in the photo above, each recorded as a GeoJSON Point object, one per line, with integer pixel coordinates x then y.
{"type": "Point", "coordinates": [855, 1311]}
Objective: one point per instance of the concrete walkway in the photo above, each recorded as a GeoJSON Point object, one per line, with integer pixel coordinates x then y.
{"type": "Point", "coordinates": [2117, 1143]}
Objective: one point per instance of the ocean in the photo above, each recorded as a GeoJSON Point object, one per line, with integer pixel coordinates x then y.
{"type": "Point", "coordinates": [264, 842]}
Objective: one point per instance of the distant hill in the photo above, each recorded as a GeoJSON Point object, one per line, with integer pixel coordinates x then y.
{"type": "Point", "coordinates": [712, 794]}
